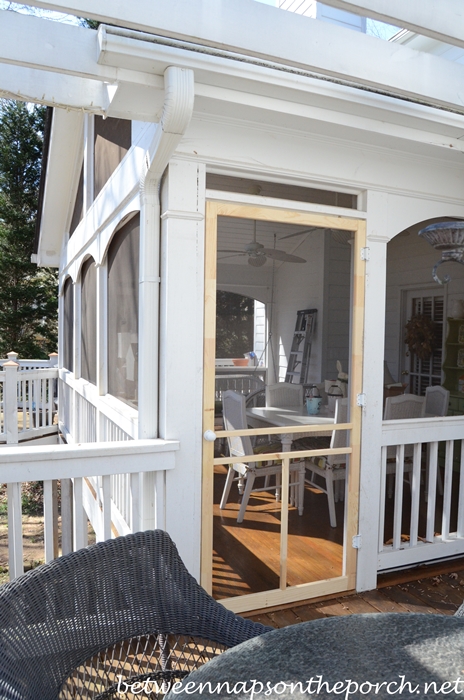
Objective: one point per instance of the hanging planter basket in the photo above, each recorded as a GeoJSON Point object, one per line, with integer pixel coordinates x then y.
{"type": "Point", "coordinates": [420, 336]}
{"type": "Point", "coordinates": [448, 238]}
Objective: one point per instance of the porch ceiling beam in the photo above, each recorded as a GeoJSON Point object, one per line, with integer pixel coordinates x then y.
{"type": "Point", "coordinates": [42, 87]}
{"type": "Point", "coordinates": [443, 21]}
{"type": "Point", "coordinates": [287, 38]}
{"type": "Point", "coordinates": [40, 44]}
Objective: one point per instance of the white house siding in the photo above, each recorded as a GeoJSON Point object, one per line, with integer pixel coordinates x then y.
{"type": "Point", "coordinates": [300, 286]}
{"type": "Point", "coordinates": [337, 289]}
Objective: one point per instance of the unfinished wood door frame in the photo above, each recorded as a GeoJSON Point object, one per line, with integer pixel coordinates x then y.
{"type": "Point", "coordinates": [347, 580]}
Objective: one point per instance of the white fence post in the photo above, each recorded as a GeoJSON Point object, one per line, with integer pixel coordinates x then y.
{"type": "Point", "coordinates": [53, 359]}
{"type": "Point", "coordinates": [10, 401]}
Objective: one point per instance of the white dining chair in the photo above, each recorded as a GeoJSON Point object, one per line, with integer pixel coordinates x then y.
{"type": "Point", "coordinates": [436, 401]}
{"type": "Point", "coordinates": [333, 467]}
{"type": "Point", "coordinates": [436, 404]}
{"type": "Point", "coordinates": [284, 394]}
{"type": "Point", "coordinates": [405, 406]}
{"type": "Point", "coordinates": [234, 414]}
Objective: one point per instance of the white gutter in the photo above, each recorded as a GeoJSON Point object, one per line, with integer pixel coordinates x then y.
{"type": "Point", "coordinates": [177, 112]}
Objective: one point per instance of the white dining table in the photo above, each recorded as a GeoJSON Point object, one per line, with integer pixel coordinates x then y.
{"type": "Point", "coordinates": [289, 416]}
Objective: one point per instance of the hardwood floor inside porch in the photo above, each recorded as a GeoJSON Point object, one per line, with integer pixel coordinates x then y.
{"type": "Point", "coordinates": [246, 556]}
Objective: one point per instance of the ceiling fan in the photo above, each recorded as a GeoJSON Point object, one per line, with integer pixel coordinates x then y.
{"type": "Point", "coordinates": [258, 254]}
{"type": "Point", "coordinates": [338, 235]}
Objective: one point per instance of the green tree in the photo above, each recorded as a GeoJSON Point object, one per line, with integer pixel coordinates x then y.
{"type": "Point", "coordinates": [28, 294]}
{"type": "Point", "coordinates": [234, 324]}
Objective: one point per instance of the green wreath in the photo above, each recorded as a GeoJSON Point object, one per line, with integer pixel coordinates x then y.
{"type": "Point", "coordinates": [420, 336]}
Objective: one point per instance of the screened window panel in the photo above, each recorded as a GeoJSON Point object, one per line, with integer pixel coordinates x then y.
{"type": "Point", "coordinates": [78, 211]}
{"type": "Point", "coordinates": [68, 325]}
{"type": "Point", "coordinates": [89, 322]}
{"type": "Point", "coordinates": [112, 141]}
{"type": "Point", "coordinates": [123, 305]}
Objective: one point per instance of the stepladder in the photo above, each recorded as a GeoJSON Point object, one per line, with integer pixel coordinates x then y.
{"type": "Point", "coordinates": [300, 351]}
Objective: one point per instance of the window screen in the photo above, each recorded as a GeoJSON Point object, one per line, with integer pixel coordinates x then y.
{"type": "Point", "coordinates": [123, 305]}
{"type": "Point", "coordinates": [68, 325]}
{"type": "Point", "coordinates": [89, 321]}
{"type": "Point", "coordinates": [112, 141]}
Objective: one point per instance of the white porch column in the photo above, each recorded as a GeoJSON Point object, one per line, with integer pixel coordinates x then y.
{"type": "Point", "coordinates": [374, 335]}
{"type": "Point", "coordinates": [181, 349]}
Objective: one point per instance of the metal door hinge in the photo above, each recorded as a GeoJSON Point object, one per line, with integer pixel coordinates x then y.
{"type": "Point", "coordinates": [357, 542]}
{"type": "Point", "coordinates": [361, 400]}
{"type": "Point", "coordinates": [365, 253]}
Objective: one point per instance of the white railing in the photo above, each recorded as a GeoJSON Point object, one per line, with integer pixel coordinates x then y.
{"type": "Point", "coordinates": [87, 416]}
{"type": "Point", "coordinates": [28, 401]}
{"type": "Point", "coordinates": [241, 383]}
{"type": "Point", "coordinates": [86, 473]}
{"type": "Point", "coordinates": [31, 364]}
{"type": "Point", "coordinates": [423, 523]}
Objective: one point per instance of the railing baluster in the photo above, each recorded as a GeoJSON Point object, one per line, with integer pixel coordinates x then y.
{"type": "Point", "coordinates": [398, 507]}
{"type": "Point", "coordinates": [460, 527]}
{"type": "Point", "coordinates": [415, 494]}
{"type": "Point", "coordinates": [135, 506]}
{"type": "Point", "coordinates": [66, 516]}
{"type": "Point", "coordinates": [78, 514]}
{"type": "Point", "coordinates": [49, 530]}
{"type": "Point", "coordinates": [15, 530]}
{"type": "Point", "coordinates": [432, 491]}
{"type": "Point", "coordinates": [106, 506]}
{"type": "Point", "coordinates": [447, 486]}
{"type": "Point", "coordinates": [383, 493]}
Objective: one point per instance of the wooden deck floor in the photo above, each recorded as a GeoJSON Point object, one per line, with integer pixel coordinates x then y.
{"type": "Point", "coordinates": [436, 589]}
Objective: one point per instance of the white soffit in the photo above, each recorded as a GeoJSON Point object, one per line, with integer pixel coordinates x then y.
{"type": "Point", "coordinates": [64, 162]}
{"type": "Point", "coordinates": [254, 29]}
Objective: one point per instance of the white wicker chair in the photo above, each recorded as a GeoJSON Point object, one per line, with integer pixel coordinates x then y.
{"type": "Point", "coordinates": [333, 467]}
{"type": "Point", "coordinates": [436, 401]}
{"type": "Point", "coordinates": [284, 394]}
{"type": "Point", "coordinates": [234, 413]}
{"type": "Point", "coordinates": [406, 406]}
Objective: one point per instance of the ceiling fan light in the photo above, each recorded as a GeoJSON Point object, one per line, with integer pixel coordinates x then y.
{"type": "Point", "coordinates": [257, 261]}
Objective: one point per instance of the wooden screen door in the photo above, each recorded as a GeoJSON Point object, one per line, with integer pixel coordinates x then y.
{"type": "Point", "coordinates": [283, 591]}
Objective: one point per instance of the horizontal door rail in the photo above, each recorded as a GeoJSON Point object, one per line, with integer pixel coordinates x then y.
{"type": "Point", "coordinates": [285, 430]}
{"type": "Point", "coordinates": [294, 454]}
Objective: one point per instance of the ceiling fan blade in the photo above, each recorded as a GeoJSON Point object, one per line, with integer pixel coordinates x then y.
{"type": "Point", "coordinates": [281, 255]}
{"type": "Point", "coordinates": [226, 257]}
{"type": "Point", "coordinates": [299, 233]}
{"type": "Point", "coordinates": [237, 252]}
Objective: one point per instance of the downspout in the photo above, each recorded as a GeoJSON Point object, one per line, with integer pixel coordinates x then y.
{"type": "Point", "coordinates": [178, 108]}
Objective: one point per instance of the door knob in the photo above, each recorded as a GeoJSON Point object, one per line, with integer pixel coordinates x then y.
{"type": "Point", "coordinates": [209, 435]}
